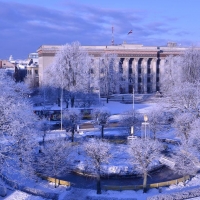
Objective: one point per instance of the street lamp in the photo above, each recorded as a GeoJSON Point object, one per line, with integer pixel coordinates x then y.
{"type": "Point", "coordinates": [132, 130]}
{"type": "Point", "coordinates": [145, 127]}
{"type": "Point", "coordinates": [77, 128]}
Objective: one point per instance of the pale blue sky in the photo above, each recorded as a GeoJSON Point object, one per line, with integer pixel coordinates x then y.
{"type": "Point", "coordinates": [25, 25]}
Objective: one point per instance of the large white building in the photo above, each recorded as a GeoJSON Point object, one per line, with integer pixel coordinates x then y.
{"type": "Point", "coordinates": [141, 65]}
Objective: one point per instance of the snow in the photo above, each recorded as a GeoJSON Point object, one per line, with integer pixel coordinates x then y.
{"type": "Point", "coordinates": [80, 194]}
{"type": "Point", "coordinates": [118, 107]}
{"type": "Point", "coordinates": [77, 193]}
{"type": "Point", "coordinates": [18, 195]}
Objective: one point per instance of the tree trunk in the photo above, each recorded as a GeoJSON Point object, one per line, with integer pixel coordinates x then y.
{"type": "Point", "coordinates": [67, 103]}
{"type": "Point", "coordinates": [55, 182]}
{"type": "Point", "coordinates": [98, 184]}
{"type": "Point", "coordinates": [72, 102]}
{"type": "Point", "coordinates": [20, 159]}
{"type": "Point", "coordinates": [61, 110]}
{"type": "Point", "coordinates": [102, 131]}
{"type": "Point", "coordinates": [154, 134]}
{"type": "Point", "coordinates": [59, 102]}
{"type": "Point", "coordinates": [145, 182]}
{"type": "Point", "coordinates": [43, 138]}
{"type": "Point", "coordinates": [107, 99]}
{"type": "Point", "coordinates": [73, 134]}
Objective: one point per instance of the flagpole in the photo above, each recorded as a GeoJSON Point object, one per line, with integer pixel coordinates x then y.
{"type": "Point", "coordinates": [133, 100]}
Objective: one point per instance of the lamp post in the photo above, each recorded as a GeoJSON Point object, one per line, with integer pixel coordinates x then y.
{"type": "Point", "coordinates": [133, 99]}
{"type": "Point", "coordinates": [77, 128]}
{"type": "Point", "coordinates": [132, 130]}
{"type": "Point", "coordinates": [145, 127]}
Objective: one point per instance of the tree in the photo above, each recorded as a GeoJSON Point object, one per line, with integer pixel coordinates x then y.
{"type": "Point", "coordinates": [143, 154]}
{"type": "Point", "coordinates": [186, 160]}
{"type": "Point", "coordinates": [98, 152]}
{"type": "Point", "coordinates": [71, 120]}
{"type": "Point", "coordinates": [190, 64]}
{"type": "Point", "coordinates": [155, 119]}
{"type": "Point", "coordinates": [182, 93]}
{"type": "Point", "coordinates": [109, 74]}
{"type": "Point", "coordinates": [30, 81]}
{"type": "Point", "coordinates": [171, 75]}
{"type": "Point", "coordinates": [54, 158]}
{"type": "Point", "coordinates": [180, 81]}
{"type": "Point", "coordinates": [184, 97]}
{"type": "Point", "coordinates": [44, 126]}
{"type": "Point", "coordinates": [183, 125]}
{"type": "Point", "coordinates": [69, 71]}
{"type": "Point", "coordinates": [131, 119]}
{"type": "Point", "coordinates": [186, 155]}
{"type": "Point", "coordinates": [17, 127]}
{"type": "Point", "coordinates": [101, 118]}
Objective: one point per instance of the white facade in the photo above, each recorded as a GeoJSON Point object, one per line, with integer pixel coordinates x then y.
{"type": "Point", "coordinates": [141, 65]}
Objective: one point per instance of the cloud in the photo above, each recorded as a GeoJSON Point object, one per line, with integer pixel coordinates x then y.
{"type": "Point", "coordinates": [25, 27]}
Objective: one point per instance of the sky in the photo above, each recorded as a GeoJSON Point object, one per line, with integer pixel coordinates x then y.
{"type": "Point", "coordinates": [26, 25]}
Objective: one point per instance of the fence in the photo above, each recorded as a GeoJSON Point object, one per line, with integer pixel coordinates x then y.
{"type": "Point", "coordinates": [153, 185]}
{"type": "Point", "coordinates": [58, 181]}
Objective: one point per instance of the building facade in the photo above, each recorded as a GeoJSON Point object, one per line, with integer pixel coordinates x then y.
{"type": "Point", "coordinates": [142, 66]}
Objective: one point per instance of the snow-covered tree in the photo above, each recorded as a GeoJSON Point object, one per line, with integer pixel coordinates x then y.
{"type": "Point", "coordinates": [44, 127]}
{"type": "Point", "coordinates": [190, 64]}
{"type": "Point", "coordinates": [48, 94]}
{"type": "Point", "coordinates": [180, 85]}
{"type": "Point", "coordinates": [180, 80]}
{"type": "Point", "coordinates": [183, 125]}
{"type": "Point", "coordinates": [144, 153]}
{"type": "Point", "coordinates": [109, 74]}
{"type": "Point", "coordinates": [17, 127]}
{"type": "Point", "coordinates": [131, 119]}
{"type": "Point", "coordinates": [98, 152]}
{"type": "Point", "coordinates": [71, 118]}
{"type": "Point", "coordinates": [69, 71]}
{"type": "Point", "coordinates": [30, 81]}
{"type": "Point", "coordinates": [155, 119]}
{"type": "Point", "coordinates": [171, 76]}
{"type": "Point", "coordinates": [186, 160]}
{"type": "Point", "coordinates": [54, 158]}
{"type": "Point", "coordinates": [185, 97]}
{"type": "Point", "coordinates": [101, 118]}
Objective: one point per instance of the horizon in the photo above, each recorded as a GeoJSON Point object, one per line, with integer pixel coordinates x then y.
{"type": "Point", "coordinates": [26, 26]}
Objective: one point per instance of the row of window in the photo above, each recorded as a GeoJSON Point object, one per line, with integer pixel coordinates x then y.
{"type": "Point", "coordinates": [30, 72]}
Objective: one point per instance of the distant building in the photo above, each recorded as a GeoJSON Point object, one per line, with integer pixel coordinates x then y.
{"type": "Point", "coordinates": [9, 67]}
{"type": "Point", "coordinates": [19, 69]}
{"type": "Point", "coordinates": [141, 65]}
{"type": "Point", "coordinates": [6, 64]}
{"type": "Point", "coordinates": [32, 69]}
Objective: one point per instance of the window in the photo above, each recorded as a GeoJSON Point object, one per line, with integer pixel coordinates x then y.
{"type": "Point", "coordinates": [36, 71]}
{"type": "Point", "coordinates": [91, 71]}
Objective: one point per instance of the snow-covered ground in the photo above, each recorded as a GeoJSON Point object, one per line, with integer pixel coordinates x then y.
{"type": "Point", "coordinates": [116, 108]}
{"type": "Point", "coordinates": [83, 194]}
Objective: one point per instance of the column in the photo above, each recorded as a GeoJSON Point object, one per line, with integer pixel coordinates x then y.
{"type": "Point", "coordinates": [135, 69]}
{"type": "Point", "coordinates": [144, 67]}
{"type": "Point", "coordinates": [153, 71]}
{"type": "Point", "coordinates": [117, 66]}
{"type": "Point", "coordinates": [161, 72]}
{"type": "Point", "coordinates": [125, 73]}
